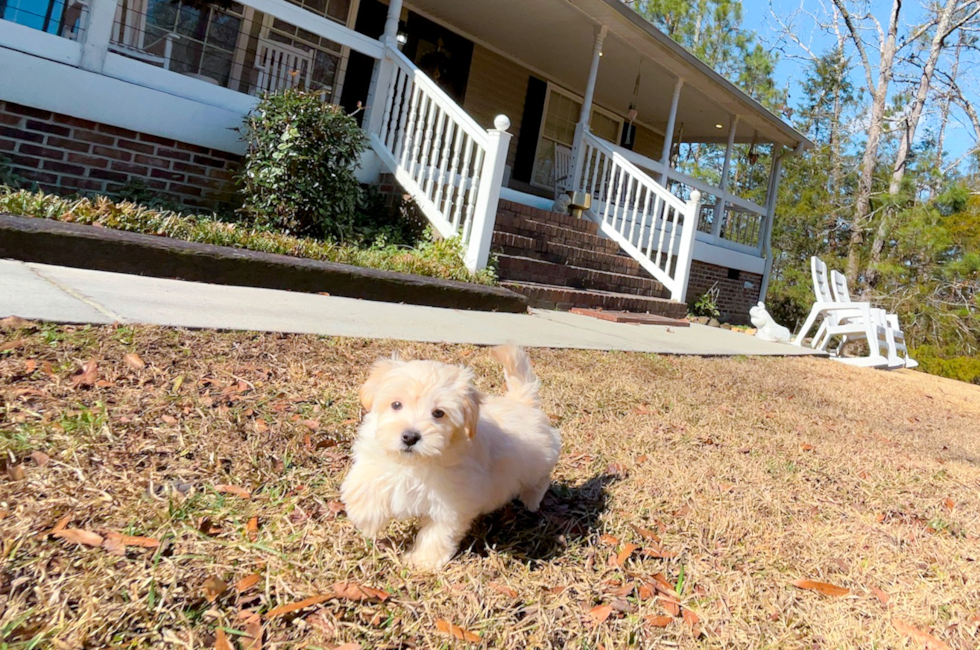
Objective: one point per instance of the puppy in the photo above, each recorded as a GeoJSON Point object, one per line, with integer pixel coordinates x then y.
{"type": "Point", "coordinates": [433, 447]}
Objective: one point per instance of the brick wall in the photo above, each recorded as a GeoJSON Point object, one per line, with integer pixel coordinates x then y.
{"type": "Point", "coordinates": [64, 154]}
{"type": "Point", "coordinates": [734, 298]}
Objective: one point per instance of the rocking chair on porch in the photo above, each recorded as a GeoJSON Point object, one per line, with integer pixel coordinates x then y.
{"type": "Point", "coordinates": [562, 169]}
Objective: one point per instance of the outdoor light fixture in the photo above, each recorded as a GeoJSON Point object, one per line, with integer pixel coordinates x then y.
{"type": "Point", "coordinates": [402, 38]}
{"type": "Point", "coordinates": [719, 126]}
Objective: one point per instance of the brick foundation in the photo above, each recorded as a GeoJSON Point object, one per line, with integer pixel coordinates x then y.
{"type": "Point", "coordinates": [734, 298]}
{"type": "Point", "coordinates": [64, 155]}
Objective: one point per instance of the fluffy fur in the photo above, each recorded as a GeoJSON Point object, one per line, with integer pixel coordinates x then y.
{"type": "Point", "coordinates": [474, 452]}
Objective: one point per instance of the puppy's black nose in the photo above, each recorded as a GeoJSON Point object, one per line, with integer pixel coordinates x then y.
{"type": "Point", "coordinates": [411, 437]}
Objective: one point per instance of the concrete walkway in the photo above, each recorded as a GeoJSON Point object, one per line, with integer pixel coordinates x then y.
{"type": "Point", "coordinates": [68, 295]}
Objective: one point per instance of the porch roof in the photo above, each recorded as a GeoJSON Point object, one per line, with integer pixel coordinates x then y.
{"type": "Point", "coordinates": [553, 38]}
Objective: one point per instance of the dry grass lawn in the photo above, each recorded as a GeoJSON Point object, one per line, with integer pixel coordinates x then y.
{"type": "Point", "coordinates": [691, 495]}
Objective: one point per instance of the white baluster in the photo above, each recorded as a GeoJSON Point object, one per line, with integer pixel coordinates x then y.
{"type": "Point", "coordinates": [464, 182]}
{"type": "Point", "coordinates": [406, 123]}
{"type": "Point", "coordinates": [431, 178]}
{"type": "Point", "coordinates": [473, 195]}
{"type": "Point", "coordinates": [455, 174]}
{"type": "Point", "coordinates": [420, 120]}
{"type": "Point", "coordinates": [448, 136]}
{"type": "Point", "coordinates": [392, 101]}
{"type": "Point", "coordinates": [425, 169]}
{"type": "Point", "coordinates": [665, 211]}
{"type": "Point", "coordinates": [485, 213]}
{"type": "Point", "coordinates": [649, 221]}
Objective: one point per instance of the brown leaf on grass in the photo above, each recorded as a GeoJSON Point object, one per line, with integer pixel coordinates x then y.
{"type": "Point", "coordinates": [169, 419]}
{"type": "Point", "coordinates": [645, 534]}
{"type": "Point", "coordinates": [15, 472]}
{"type": "Point", "coordinates": [663, 585]}
{"type": "Point", "coordinates": [261, 426]}
{"type": "Point", "coordinates": [87, 376]}
{"type": "Point", "coordinates": [233, 489]}
{"type": "Point", "coordinates": [609, 540]}
{"type": "Point", "coordinates": [40, 458]}
{"type": "Point", "coordinates": [456, 631]}
{"type": "Point", "coordinates": [642, 458]}
{"type": "Point", "coordinates": [214, 587]}
{"type": "Point", "coordinates": [354, 591]}
{"type": "Point", "coordinates": [248, 582]}
{"type": "Point", "coordinates": [882, 597]}
{"type": "Point", "coordinates": [646, 591]}
{"type": "Point", "coordinates": [600, 613]}
{"type": "Point", "coordinates": [949, 503]}
{"type": "Point", "coordinates": [658, 553]}
{"type": "Point", "coordinates": [12, 345]}
{"type": "Point", "coordinates": [47, 369]}
{"type": "Point", "coordinates": [60, 524]}
{"type": "Point", "coordinates": [313, 425]}
{"type": "Point", "coordinates": [351, 646]}
{"type": "Point", "coordinates": [15, 323]}
{"type": "Point", "coordinates": [133, 361]}
{"type": "Point", "coordinates": [295, 607]}
{"type": "Point", "coordinates": [690, 617]}
{"type": "Point", "coordinates": [221, 641]}
{"type": "Point", "coordinates": [206, 527]}
{"type": "Point", "coordinates": [806, 446]}
{"type": "Point", "coordinates": [821, 587]}
{"type": "Point", "coordinates": [625, 553]}
{"type": "Point", "coordinates": [30, 366]}
{"type": "Point", "coordinates": [683, 511]}
{"type": "Point", "coordinates": [79, 536]}
{"type": "Point", "coordinates": [617, 470]}
{"type": "Point", "coordinates": [252, 528]}
{"type": "Point", "coordinates": [503, 589]}
{"type": "Point", "coordinates": [670, 605]}
{"type": "Point", "coordinates": [929, 642]}
{"type": "Point", "coordinates": [253, 633]}
{"type": "Point", "coordinates": [658, 621]}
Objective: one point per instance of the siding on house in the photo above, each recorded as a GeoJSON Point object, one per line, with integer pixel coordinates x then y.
{"type": "Point", "coordinates": [496, 86]}
{"type": "Point", "coordinates": [648, 143]}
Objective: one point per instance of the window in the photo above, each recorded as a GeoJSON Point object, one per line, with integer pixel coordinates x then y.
{"type": "Point", "coordinates": [60, 17]}
{"type": "Point", "coordinates": [561, 113]}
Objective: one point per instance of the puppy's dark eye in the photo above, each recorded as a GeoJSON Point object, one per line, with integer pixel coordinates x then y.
{"type": "Point", "coordinates": [438, 413]}
{"type": "Point", "coordinates": [396, 406]}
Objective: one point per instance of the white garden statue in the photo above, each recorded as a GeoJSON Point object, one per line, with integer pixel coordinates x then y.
{"type": "Point", "coordinates": [562, 204]}
{"type": "Point", "coordinates": [766, 328]}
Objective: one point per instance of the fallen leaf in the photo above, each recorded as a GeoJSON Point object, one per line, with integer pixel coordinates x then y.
{"type": "Point", "coordinates": [642, 458]}
{"type": "Point", "coordinates": [659, 553]}
{"type": "Point", "coordinates": [214, 587]}
{"type": "Point", "coordinates": [79, 536]}
{"type": "Point", "coordinates": [617, 470]}
{"type": "Point", "coordinates": [15, 323]}
{"type": "Point", "coordinates": [600, 613]}
{"type": "Point", "coordinates": [683, 511]}
{"type": "Point", "coordinates": [169, 419]}
{"type": "Point", "coordinates": [295, 607]}
{"type": "Point", "coordinates": [455, 631]}
{"type": "Point", "coordinates": [253, 633]}
{"type": "Point", "coordinates": [313, 425]}
{"type": "Point", "coordinates": [690, 617]}
{"type": "Point", "coordinates": [354, 591]}
{"type": "Point", "coordinates": [47, 369]}
{"type": "Point", "coordinates": [248, 582]}
{"type": "Point", "coordinates": [252, 527]}
{"type": "Point", "coordinates": [15, 472]}
{"type": "Point", "coordinates": [609, 540]}
{"type": "Point", "coordinates": [40, 458]}
{"type": "Point", "coordinates": [950, 504]}
{"type": "Point", "coordinates": [12, 345]}
{"type": "Point", "coordinates": [624, 554]}
{"type": "Point", "coordinates": [87, 376]}
{"type": "Point", "coordinates": [30, 366]}
{"type": "Point", "coordinates": [670, 605]}
{"type": "Point", "coordinates": [821, 587]}
{"type": "Point", "coordinates": [806, 446]}
{"type": "Point", "coordinates": [352, 646]}
{"type": "Point", "coordinates": [658, 621]}
{"type": "Point", "coordinates": [645, 534]}
{"type": "Point", "coordinates": [205, 526]}
{"type": "Point", "coordinates": [233, 489]}
{"type": "Point", "coordinates": [60, 524]}
{"type": "Point", "coordinates": [917, 635]}
{"type": "Point", "coordinates": [261, 426]}
{"type": "Point", "coordinates": [882, 597]}
{"type": "Point", "coordinates": [335, 507]}
{"type": "Point", "coordinates": [113, 544]}
{"type": "Point", "coordinates": [133, 361]}
{"type": "Point", "coordinates": [646, 591]}
{"type": "Point", "coordinates": [221, 641]}
{"type": "Point", "coordinates": [503, 589]}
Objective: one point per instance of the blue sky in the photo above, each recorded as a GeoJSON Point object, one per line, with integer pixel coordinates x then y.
{"type": "Point", "coordinates": [758, 16]}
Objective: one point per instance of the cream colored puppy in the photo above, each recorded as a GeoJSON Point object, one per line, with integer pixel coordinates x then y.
{"type": "Point", "coordinates": [432, 446]}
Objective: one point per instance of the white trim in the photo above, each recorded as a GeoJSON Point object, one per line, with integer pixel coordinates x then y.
{"type": "Point", "coordinates": [173, 83]}
{"type": "Point", "coordinates": [319, 25]}
{"type": "Point", "coordinates": [100, 98]}
{"type": "Point", "coordinates": [34, 41]}
{"type": "Point", "coordinates": [544, 115]}
{"type": "Point", "coordinates": [728, 258]}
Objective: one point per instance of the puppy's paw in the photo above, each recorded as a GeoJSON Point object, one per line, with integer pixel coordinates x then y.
{"type": "Point", "coordinates": [422, 560]}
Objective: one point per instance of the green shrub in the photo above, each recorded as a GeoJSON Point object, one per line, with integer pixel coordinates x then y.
{"type": "Point", "coordinates": [706, 305]}
{"type": "Point", "coordinates": [432, 257]}
{"type": "Point", "coordinates": [299, 166]}
{"type": "Point", "coordinates": [939, 362]}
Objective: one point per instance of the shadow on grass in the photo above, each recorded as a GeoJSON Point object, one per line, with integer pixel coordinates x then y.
{"type": "Point", "coordinates": [568, 513]}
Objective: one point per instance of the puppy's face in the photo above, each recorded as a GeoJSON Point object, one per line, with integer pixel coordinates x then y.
{"type": "Point", "coordinates": [422, 409]}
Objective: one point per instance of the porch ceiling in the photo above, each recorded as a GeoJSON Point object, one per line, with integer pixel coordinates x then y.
{"type": "Point", "coordinates": [554, 38]}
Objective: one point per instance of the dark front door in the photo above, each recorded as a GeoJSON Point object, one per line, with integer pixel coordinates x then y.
{"type": "Point", "coordinates": [441, 54]}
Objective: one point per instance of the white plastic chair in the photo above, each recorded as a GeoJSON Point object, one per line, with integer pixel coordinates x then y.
{"type": "Point", "coordinates": [853, 320]}
{"type": "Point", "coordinates": [562, 170]}
{"type": "Point", "coordinates": [281, 66]}
{"type": "Point", "coordinates": [895, 337]}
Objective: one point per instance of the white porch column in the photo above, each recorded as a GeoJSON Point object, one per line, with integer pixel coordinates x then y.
{"type": "Point", "coordinates": [723, 186]}
{"type": "Point", "coordinates": [383, 70]}
{"type": "Point", "coordinates": [586, 113]}
{"type": "Point", "coordinates": [97, 34]}
{"type": "Point", "coordinates": [669, 135]}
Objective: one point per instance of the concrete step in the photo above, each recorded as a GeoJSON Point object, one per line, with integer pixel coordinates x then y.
{"type": "Point", "coordinates": [528, 269]}
{"type": "Point", "coordinates": [545, 296]}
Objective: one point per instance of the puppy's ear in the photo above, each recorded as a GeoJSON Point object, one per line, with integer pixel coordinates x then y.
{"type": "Point", "coordinates": [379, 369]}
{"type": "Point", "coordinates": [471, 412]}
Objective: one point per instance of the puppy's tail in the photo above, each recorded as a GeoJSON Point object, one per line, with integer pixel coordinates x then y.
{"type": "Point", "coordinates": [522, 385]}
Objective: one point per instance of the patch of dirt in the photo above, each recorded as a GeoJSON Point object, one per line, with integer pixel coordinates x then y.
{"type": "Point", "coordinates": [178, 489]}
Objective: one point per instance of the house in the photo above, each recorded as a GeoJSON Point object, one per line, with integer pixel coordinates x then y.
{"type": "Point", "coordinates": [483, 110]}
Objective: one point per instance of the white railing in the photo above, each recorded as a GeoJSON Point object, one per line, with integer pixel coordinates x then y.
{"type": "Point", "coordinates": [655, 227]}
{"type": "Point", "coordinates": [449, 164]}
